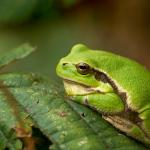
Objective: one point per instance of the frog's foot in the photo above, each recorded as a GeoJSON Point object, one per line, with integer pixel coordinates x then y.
{"type": "Point", "coordinates": [128, 127]}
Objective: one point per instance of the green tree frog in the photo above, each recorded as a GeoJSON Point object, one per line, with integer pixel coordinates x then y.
{"type": "Point", "coordinates": [115, 86]}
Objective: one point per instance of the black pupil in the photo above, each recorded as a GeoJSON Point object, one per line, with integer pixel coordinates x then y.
{"type": "Point", "coordinates": [83, 67]}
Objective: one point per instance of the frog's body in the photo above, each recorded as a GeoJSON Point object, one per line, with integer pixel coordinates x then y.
{"type": "Point", "coordinates": [116, 86]}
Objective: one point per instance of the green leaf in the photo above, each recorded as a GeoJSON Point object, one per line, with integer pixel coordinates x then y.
{"type": "Point", "coordinates": [15, 54]}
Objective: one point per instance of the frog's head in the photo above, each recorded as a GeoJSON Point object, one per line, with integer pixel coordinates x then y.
{"type": "Point", "coordinates": [78, 70]}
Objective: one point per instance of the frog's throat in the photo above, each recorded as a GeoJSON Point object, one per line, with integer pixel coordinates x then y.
{"type": "Point", "coordinates": [74, 88]}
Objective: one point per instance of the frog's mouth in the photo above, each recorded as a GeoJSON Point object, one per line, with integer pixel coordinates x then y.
{"type": "Point", "coordinates": [75, 88]}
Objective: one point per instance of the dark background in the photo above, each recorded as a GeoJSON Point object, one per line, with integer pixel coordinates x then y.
{"type": "Point", "coordinates": [54, 26]}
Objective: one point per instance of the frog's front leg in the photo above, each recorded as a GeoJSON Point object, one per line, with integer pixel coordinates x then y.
{"type": "Point", "coordinates": [102, 102]}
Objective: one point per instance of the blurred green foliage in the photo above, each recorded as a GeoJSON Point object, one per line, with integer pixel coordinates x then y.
{"type": "Point", "coordinates": [14, 11]}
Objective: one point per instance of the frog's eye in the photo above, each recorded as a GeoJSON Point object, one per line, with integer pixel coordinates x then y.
{"type": "Point", "coordinates": [83, 68]}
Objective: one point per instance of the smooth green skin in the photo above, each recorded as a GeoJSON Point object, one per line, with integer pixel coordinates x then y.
{"type": "Point", "coordinates": [129, 76]}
